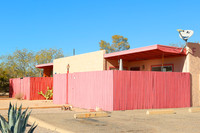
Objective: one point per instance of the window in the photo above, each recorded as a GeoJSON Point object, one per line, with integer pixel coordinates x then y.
{"type": "Point", "coordinates": [114, 68]}
{"type": "Point", "coordinates": [117, 68]}
{"type": "Point", "coordinates": [135, 68]}
{"type": "Point", "coordinates": [164, 68]}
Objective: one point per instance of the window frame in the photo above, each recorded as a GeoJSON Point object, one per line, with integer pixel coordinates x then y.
{"type": "Point", "coordinates": [172, 65]}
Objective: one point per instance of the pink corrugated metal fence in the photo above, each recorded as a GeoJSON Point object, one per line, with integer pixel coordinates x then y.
{"type": "Point", "coordinates": [14, 87]}
{"type": "Point", "coordinates": [123, 90]}
{"type": "Point", "coordinates": [91, 89]}
{"type": "Point", "coordinates": [25, 84]}
{"type": "Point", "coordinates": [20, 86]}
{"type": "Point", "coordinates": [60, 89]}
{"type": "Point", "coordinates": [30, 86]}
{"type": "Point", "coordinates": [147, 90]}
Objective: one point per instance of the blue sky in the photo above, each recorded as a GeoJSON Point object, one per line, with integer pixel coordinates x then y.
{"type": "Point", "coordinates": [68, 24]}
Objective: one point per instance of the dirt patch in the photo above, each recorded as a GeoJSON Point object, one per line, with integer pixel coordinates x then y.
{"type": "Point", "coordinates": [4, 95]}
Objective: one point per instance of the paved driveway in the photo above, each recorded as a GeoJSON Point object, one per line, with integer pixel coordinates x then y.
{"type": "Point", "coordinates": [135, 121]}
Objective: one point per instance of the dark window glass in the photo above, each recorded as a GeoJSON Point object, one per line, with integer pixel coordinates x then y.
{"type": "Point", "coordinates": [112, 68]}
{"type": "Point", "coordinates": [162, 68]}
{"type": "Point", "coordinates": [135, 68]}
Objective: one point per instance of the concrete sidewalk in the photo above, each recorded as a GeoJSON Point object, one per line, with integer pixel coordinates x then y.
{"type": "Point", "coordinates": [32, 104]}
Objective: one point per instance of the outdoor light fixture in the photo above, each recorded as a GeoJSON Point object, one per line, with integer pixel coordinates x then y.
{"type": "Point", "coordinates": [185, 35]}
{"type": "Point", "coordinates": [68, 66]}
{"type": "Point", "coordinates": [143, 67]}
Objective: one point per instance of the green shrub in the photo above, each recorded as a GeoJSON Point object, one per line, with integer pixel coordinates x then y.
{"type": "Point", "coordinates": [17, 121]}
{"type": "Point", "coordinates": [48, 94]}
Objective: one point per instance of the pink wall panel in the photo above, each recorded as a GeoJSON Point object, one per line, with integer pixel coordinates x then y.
{"type": "Point", "coordinates": [146, 90]}
{"type": "Point", "coordinates": [60, 88]}
{"type": "Point", "coordinates": [25, 88]}
{"type": "Point", "coordinates": [20, 86]}
{"type": "Point", "coordinates": [91, 89]}
{"type": "Point", "coordinates": [15, 87]}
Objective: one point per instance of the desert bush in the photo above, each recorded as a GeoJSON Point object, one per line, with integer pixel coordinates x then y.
{"type": "Point", "coordinates": [48, 94]}
{"type": "Point", "coordinates": [19, 96]}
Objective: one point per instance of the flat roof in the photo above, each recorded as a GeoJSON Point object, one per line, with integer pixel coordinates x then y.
{"type": "Point", "coordinates": [145, 53]}
{"type": "Point", "coordinates": [44, 65]}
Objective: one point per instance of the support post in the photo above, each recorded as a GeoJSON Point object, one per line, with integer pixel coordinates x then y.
{"type": "Point", "coordinates": [68, 66]}
{"type": "Point", "coordinates": [120, 64]}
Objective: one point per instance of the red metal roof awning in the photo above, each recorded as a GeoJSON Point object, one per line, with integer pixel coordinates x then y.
{"type": "Point", "coordinates": [48, 65]}
{"type": "Point", "coordinates": [145, 53]}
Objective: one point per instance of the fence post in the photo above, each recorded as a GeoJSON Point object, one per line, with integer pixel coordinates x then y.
{"type": "Point", "coordinates": [68, 66]}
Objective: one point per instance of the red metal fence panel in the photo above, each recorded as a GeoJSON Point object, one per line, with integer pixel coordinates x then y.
{"type": "Point", "coordinates": [147, 90]}
{"type": "Point", "coordinates": [38, 84]}
{"type": "Point", "coordinates": [91, 89]}
{"type": "Point", "coordinates": [60, 89]}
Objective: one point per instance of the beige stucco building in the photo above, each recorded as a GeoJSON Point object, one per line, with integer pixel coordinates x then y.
{"type": "Point", "coordinates": [93, 61]}
{"type": "Point", "coordinates": [172, 59]}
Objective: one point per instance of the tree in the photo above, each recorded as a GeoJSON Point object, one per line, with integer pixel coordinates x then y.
{"type": "Point", "coordinates": [119, 43]}
{"type": "Point", "coordinates": [105, 46]}
{"type": "Point", "coordinates": [4, 80]}
{"type": "Point", "coordinates": [48, 55]}
{"type": "Point", "coordinates": [21, 63]}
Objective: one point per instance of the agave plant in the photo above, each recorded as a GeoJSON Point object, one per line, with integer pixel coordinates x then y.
{"type": "Point", "coordinates": [17, 121]}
